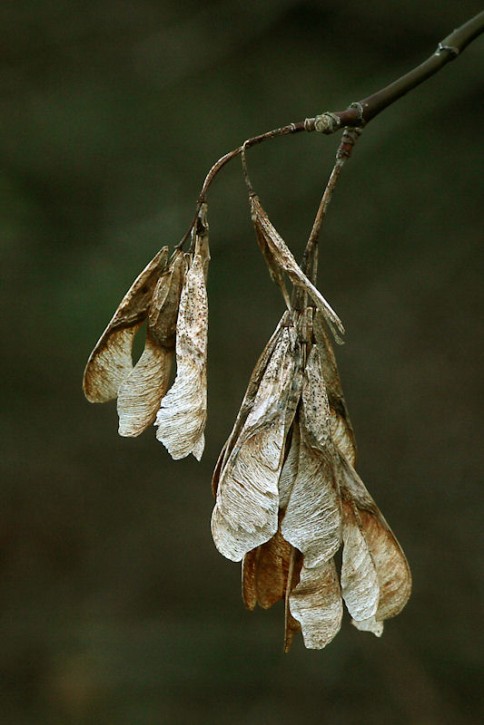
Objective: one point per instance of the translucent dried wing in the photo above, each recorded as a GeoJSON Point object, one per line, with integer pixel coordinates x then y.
{"type": "Point", "coordinates": [275, 391]}
{"type": "Point", "coordinates": [268, 566]}
{"type": "Point", "coordinates": [274, 269]}
{"type": "Point", "coordinates": [163, 312]}
{"type": "Point", "coordinates": [182, 416]}
{"type": "Point", "coordinates": [290, 467]}
{"type": "Point", "coordinates": [340, 424]}
{"type": "Point", "coordinates": [140, 394]}
{"type": "Point", "coordinates": [249, 586]}
{"type": "Point", "coordinates": [392, 570]}
{"type": "Point", "coordinates": [247, 404]}
{"type": "Point", "coordinates": [316, 604]}
{"type": "Point", "coordinates": [394, 577]}
{"type": "Point", "coordinates": [285, 259]}
{"type": "Point", "coordinates": [272, 570]}
{"type": "Point", "coordinates": [312, 522]}
{"type": "Point", "coordinates": [295, 390]}
{"type": "Point", "coordinates": [110, 362]}
{"type": "Point", "coordinates": [245, 514]}
{"type": "Point", "coordinates": [315, 402]}
{"type": "Point", "coordinates": [246, 509]}
{"type": "Point", "coordinates": [199, 447]}
{"type": "Point", "coordinates": [359, 579]}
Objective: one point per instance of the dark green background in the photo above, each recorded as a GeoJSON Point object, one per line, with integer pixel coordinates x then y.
{"type": "Point", "coordinates": [115, 607]}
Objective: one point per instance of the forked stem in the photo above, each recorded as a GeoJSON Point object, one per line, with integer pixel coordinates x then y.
{"type": "Point", "coordinates": [357, 114]}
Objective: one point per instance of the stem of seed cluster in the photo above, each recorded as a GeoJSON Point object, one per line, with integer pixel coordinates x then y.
{"type": "Point", "coordinates": [345, 149]}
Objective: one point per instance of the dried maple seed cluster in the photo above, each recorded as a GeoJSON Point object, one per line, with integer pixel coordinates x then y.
{"type": "Point", "coordinates": [288, 498]}
{"type": "Point", "coordinates": [287, 494]}
{"type": "Point", "coordinates": [170, 297]}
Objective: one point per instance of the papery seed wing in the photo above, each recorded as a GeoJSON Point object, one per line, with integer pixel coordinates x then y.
{"type": "Point", "coordinates": [247, 403]}
{"type": "Point", "coordinates": [182, 416]}
{"type": "Point", "coordinates": [295, 390]}
{"type": "Point", "coordinates": [392, 570]}
{"type": "Point", "coordinates": [269, 573]}
{"type": "Point", "coordinates": [163, 311]}
{"type": "Point", "coordinates": [265, 572]}
{"type": "Point", "coordinates": [315, 404]}
{"type": "Point", "coordinates": [340, 423]}
{"type": "Point", "coordinates": [199, 447]}
{"type": "Point", "coordinates": [316, 604]}
{"type": "Point", "coordinates": [391, 565]}
{"type": "Point", "coordinates": [249, 585]}
{"type": "Point", "coordinates": [285, 259]}
{"type": "Point", "coordinates": [140, 394]}
{"type": "Point", "coordinates": [359, 579]}
{"type": "Point", "coordinates": [221, 460]}
{"type": "Point", "coordinates": [312, 522]}
{"type": "Point", "coordinates": [275, 391]}
{"type": "Point", "coordinates": [252, 390]}
{"type": "Point", "coordinates": [290, 468]}
{"type": "Point", "coordinates": [110, 362]}
{"type": "Point", "coordinates": [245, 513]}
{"type": "Point", "coordinates": [274, 268]}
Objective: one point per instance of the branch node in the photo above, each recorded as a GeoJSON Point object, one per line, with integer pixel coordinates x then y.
{"type": "Point", "coordinates": [360, 109]}
{"type": "Point", "coordinates": [309, 124]}
{"type": "Point", "coordinates": [451, 49]}
{"type": "Point", "coordinates": [327, 123]}
{"type": "Point", "coordinates": [348, 140]}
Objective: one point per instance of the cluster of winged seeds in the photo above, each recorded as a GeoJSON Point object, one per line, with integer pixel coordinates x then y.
{"type": "Point", "coordinates": [170, 296]}
{"type": "Point", "coordinates": [288, 498]}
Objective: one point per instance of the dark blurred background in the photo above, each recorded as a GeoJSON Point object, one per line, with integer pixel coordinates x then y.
{"type": "Point", "coordinates": [115, 606]}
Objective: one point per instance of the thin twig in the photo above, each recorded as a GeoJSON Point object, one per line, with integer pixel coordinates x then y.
{"type": "Point", "coordinates": [358, 114]}
{"type": "Point", "coordinates": [309, 262]}
{"type": "Point", "coordinates": [361, 112]}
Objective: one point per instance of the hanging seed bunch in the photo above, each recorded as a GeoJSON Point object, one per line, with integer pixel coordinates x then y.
{"type": "Point", "coordinates": [288, 497]}
{"type": "Point", "coordinates": [170, 297]}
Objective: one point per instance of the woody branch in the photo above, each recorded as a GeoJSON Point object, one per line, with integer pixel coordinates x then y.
{"type": "Point", "coordinates": [361, 112]}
